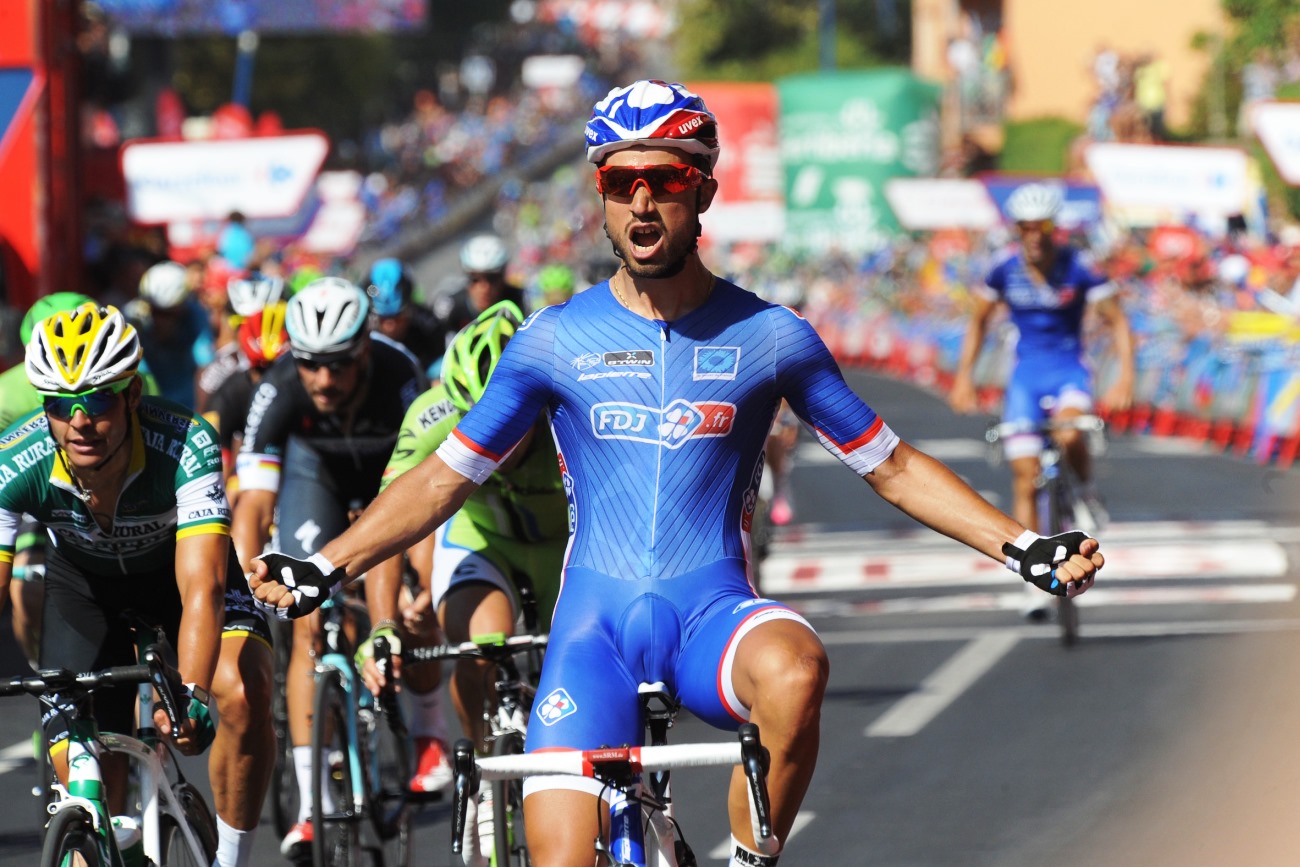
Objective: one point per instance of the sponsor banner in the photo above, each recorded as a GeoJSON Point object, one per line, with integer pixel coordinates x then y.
{"type": "Point", "coordinates": [1080, 208]}
{"type": "Point", "coordinates": [750, 203]}
{"type": "Point", "coordinates": [1277, 124]}
{"type": "Point", "coordinates": [177, 17]}
{"type": "Point", "coordinates": [265, 176]}
{"type": "Point", "coordinates": [842, 136]}
{"type": "Point", "coordinates": [1158, 182]}
{"type": "Point", "coordinates": [329, 221]}
{"type": "Point", "coordinates": [940, 203]}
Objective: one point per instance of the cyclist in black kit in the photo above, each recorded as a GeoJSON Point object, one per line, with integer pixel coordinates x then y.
{"type": "Point", "coordinates": [483, 258]}
{"type": "Point", "coordinates": [320, 429]}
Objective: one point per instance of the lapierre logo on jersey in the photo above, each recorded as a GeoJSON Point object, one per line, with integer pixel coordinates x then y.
{"type": "Point", "coordinates": [680, 421]}
{"type": "Point", "coordinates": [629, 358]}
{"type": "Point", "coordinates": [716, 362]}
{"type": "Point", "coordinates": [556, 707]}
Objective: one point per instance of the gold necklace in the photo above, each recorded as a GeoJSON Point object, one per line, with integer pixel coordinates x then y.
{"type": "Point", "coordinates": [618, 293]}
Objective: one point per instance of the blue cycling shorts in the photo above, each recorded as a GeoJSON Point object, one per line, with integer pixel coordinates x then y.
{"type": "Point", "coordinates": [1037, 388]}
{"type": "Point", "coordinates": [610, 635]}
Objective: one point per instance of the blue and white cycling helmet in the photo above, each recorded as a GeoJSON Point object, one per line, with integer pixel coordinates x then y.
{"type": "Point", "coordinates": [1032, 202]}
{"type": "Point", "coordinates": [327, 318]}
{"type": "Point", "coordinates": [652, 113]}
{"type": "Point", "coordinates": [390, 287]}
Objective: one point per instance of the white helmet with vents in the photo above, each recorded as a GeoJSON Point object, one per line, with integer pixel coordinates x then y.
{"type": "Point", "coordinates": [254, 293]}
{"type": "Point", "coordinates": [327, 317]}
{"type": "Point", "coordinates": [1033, 202]}
{"type": "Point", "coordinates": [164, 285]}
{"type": "Point", "coordinates": [82, 349]}
{"type": "Point", "coordinates": [484, 254]}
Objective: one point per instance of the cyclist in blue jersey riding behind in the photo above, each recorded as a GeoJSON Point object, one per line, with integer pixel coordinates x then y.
{"type": "Point", "coordinates": [1047, 287]}
{"type": "Point", "coordinates": [130, 489]}
{"type": "Point", "coordinates": [660, 385]}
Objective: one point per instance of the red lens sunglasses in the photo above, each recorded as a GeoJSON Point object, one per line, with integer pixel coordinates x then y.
{"type": "Point", "coordinates": [661, 180]}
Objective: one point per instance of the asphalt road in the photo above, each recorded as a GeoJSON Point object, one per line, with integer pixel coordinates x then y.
{"type": "Point", "coordinates": [955, 733]}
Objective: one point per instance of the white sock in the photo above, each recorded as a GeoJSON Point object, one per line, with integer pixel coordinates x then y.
{"type": "Point", "coordinates": [234, 847]}
{"type": "Point", "coordinates": [302, 770]}
{"type": "Point", "coordinates": [742, 856]}
{"type": "Point", "coordinates": [427, 719]}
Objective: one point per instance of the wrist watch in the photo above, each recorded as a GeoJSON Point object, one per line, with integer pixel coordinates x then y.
{"type": "Point", "coordinates": [200, 693]}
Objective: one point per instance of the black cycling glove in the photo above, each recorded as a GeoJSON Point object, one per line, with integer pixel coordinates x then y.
{"type": "Point", "coordinates": [310, 582]}
{"type": "Point", "coordinates": [1035, 558]}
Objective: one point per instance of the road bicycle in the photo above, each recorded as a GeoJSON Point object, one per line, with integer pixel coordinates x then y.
{"type": "Point", "coordinates": [642, 830]}
{"type": "Point", "coordinates": [1059, 502]}
{"type": "Point", "coordinates": [360, 753]}
{"type": "Point", "coordinates": [176, 826]}
{"type": "Point", "coordinates": [506, 708]}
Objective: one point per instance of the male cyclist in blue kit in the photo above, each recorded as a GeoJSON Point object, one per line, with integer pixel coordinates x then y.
{"type": "Point", "coordinates": [1047, 287]}
{"type": "Point", "coordinates": [660, 385]}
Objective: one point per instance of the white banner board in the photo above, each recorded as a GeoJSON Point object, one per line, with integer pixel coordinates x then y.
{"type": "Point", "coordinates": [941, 203]}
{"type": "Point", "coordinates": [263, 176]}
{"type": "Point", "coordinates": [1277, 124]}
{"type": "Point", "coordinates": [1172, 179]}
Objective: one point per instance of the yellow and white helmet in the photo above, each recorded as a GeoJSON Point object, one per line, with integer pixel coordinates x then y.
{"type": "Point", "coordinates": [82, 349]}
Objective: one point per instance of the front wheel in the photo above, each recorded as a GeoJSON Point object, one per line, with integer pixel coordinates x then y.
{"type": "Point", "coordinates": [334, 789]}
{"type": "Point", "coordinates": [508, 809]}
{"type": "Point", "coordinates": [202, 824]}
{"type": "Point", "coordinates": [388, 770]}
{"type": "Point", "coordinates": [70, 839]}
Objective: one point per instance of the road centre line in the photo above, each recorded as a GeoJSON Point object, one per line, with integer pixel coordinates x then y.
{"type": "Point", "coordinates": [912, 713]}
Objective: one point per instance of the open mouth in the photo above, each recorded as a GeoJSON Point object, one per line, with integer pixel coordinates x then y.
{"type": "Point", "coordinates": [645, 241]}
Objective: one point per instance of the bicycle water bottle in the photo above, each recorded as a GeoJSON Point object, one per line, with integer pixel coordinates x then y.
{"type": "Point", "coordinates": [130, 841]}
{"type": "Point", "coordinates": [626, 836]}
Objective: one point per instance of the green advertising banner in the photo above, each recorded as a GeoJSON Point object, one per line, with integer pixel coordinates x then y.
{"type": "Point", "coordinates": [842, 135]}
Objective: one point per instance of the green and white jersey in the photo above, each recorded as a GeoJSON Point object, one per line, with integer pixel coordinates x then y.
{"type": "Point", "coordinates": [173, 490]}
{"type": "Point", "coordinates": [525, 504]}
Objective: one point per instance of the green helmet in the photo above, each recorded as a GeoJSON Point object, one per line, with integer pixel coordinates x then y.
{"type": "Point", "coordinates": [556, 278]}
{"type": "Point", "coordinates": [46, 306]}
{"type": "Point", "coordinates": [475, 351]}
{"type": "Point", "coordinates": [301, 277]}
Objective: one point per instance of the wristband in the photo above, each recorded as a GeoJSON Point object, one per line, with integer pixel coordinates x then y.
{"type": "Point", "coordinates": [1023, 541]}
{"type": "Point", "coordinates": [319, 561]}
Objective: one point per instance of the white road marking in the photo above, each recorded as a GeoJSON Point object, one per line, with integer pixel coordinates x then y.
{"type": "Point", "coordinates": [948, 566]}
{"type": "Point", "coordinates": [1046, 631]}
{"type": "Point", "coordinates": [1014, 601]}
{"type": "Point", "coordinates": [722, 851]}
{"type": "Point", "coordinates": [973, 449]}
{"type": "Point", "coordinates": [943, 687]}
{"type": "Point", "coordinates": [16, 756]}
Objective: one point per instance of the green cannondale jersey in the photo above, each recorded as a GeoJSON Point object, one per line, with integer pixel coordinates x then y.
{"type": "Point", "coordinates": [173, 490]}
{"type": "Point", "coordinates": [524, 504]}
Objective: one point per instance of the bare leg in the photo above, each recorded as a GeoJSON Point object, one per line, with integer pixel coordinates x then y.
{"type": "Point", "coordinates": [561, 826]}
{"type": "Point", "coordinates": [474, 609]}
{"type": "Point", "coordinates": [243, 755]}
{"type": "Point", "coordinates": [780, 674]}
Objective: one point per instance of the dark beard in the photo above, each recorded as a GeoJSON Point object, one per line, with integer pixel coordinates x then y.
{"type": "Point", "coordinates": [656, 272]}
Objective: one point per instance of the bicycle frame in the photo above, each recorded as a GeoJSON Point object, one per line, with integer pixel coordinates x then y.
{"type": "Point", "coordinates": [336, 661]}
{"type": "Point", "coordinates": [150, 755]}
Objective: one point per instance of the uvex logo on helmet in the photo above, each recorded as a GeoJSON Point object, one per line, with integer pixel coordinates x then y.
{"type": "Point", "coordinates": [691, 124]}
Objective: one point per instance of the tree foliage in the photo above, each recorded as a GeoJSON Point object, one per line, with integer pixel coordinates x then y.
{"type": "Point", "coordinates": [760, 40]}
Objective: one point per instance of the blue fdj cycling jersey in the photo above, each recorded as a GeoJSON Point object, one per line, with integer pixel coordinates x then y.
{"type": "Point", "coordinates": [661, 425]}
{"type": "Point", "coordinates": [661, 428]}
{"type": "Point", "coordinates": [1049, 315]}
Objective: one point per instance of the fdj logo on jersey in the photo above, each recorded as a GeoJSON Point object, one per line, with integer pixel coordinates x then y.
{"type": "Point", "coordinates": [678, 422]}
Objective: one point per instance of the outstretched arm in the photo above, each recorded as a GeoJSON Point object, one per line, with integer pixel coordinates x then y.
{"type": "Point", "coordinates": [931, 493]}
{"type": "Point", "coordinates": [412, 507]}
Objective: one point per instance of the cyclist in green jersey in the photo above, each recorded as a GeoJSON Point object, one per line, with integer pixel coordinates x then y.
{"type": "Point", "coordinates": [512, 529]}
{"type": "Point", "coordinates": [130, 489]}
